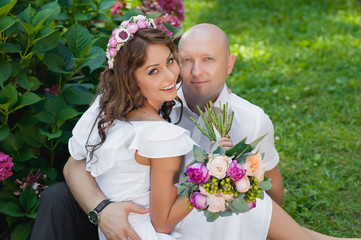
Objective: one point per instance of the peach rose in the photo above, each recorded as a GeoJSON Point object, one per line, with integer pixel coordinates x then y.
{"type": "Point", "coordinates": [260, 172]}
{"type": "Point", "coordinates": [216, 204]}
{"type": "Point", "coordinates": [252, 164]}
{"type": "Point", "coordinates": [218, 165]}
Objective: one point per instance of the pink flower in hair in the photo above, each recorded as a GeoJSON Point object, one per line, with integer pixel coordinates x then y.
{"type": "Point", "coordinates": [124, 23]}
{"type": "Point", "coordinates": [142, 24]}
{"type": "Point", "coordinates": [112, 52]}
{"type": "Point", "coordinates": [122, 35]}
{"type": "Point", "coordinates": [114, 31]}
{"type": "Point", "coordinates": [113, 42]}
{"type": "Point", "coordinates": [132, 27]}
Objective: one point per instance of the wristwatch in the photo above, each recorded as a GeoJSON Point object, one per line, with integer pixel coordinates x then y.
{"type": "Point", "coordinates": [93, 214]}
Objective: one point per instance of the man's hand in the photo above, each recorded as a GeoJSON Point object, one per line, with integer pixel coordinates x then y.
{"type": "Point", "coordinates": [113, 220]}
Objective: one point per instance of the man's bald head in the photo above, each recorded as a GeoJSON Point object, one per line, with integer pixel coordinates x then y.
{"type": "Point", "coordinates": [206, 62]}
{"type": "Point", "coordinates": [205, 32]}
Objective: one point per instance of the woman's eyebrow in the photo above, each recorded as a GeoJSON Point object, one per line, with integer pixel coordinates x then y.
{"type": "Point", "coordinates": [153, 65]}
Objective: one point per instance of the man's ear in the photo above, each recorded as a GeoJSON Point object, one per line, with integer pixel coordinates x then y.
{"type": "Point", "coordinates": [231, 60]}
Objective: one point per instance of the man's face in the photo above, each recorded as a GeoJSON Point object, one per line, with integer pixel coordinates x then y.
{"type": "Point", "coordinates": [204, 68]}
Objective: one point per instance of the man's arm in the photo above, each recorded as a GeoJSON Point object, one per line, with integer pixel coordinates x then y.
{"type": "Point", "coordinates": [276, 192]}
{"type": "Point", "coordinates": [113, 220]}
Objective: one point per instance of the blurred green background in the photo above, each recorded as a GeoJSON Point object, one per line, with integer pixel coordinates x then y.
{"type": "Point", "coordinates": [301, 62]}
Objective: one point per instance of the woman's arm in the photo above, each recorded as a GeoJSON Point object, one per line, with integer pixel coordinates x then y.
{"type": "Point", "coordinates": [166, 208]}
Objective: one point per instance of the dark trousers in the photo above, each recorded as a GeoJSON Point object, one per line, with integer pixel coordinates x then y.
{"type": "Point", "coordinates": [60, 217]}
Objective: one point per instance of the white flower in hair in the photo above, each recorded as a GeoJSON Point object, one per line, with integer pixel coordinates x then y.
{"type": "Point", "coordinates": [121, 35]}
{"type": "Point", "coordinates": [139, 17]}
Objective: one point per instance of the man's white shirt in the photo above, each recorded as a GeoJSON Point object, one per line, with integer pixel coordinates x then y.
{"type": "Point", "coordinates": [249, 122]}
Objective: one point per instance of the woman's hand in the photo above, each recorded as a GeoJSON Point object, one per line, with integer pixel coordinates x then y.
{"type": "Point", "coordinates": [225, 142]}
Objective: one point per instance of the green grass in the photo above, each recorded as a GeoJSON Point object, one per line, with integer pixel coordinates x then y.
{"type": "Point", "coordinates": [301, 62]}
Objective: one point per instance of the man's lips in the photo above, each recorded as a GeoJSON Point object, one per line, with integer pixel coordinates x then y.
{"type": "Point", "coordinates": [198, 82]}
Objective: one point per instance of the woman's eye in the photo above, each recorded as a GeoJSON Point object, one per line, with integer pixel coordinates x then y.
{"type": "Point", "coordinates": [170, 61]}
{"type": "Point", "coordinates": [208, 58]}
{"type": "Point", "coordinates": [153, 71]}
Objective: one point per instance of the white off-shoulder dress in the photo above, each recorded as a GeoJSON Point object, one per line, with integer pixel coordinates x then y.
{"type": "Point", "coordinates": [119, 176]}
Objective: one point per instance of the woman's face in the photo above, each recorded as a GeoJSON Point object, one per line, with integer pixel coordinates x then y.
{"type": "Point", "coordinates": [158, 76]}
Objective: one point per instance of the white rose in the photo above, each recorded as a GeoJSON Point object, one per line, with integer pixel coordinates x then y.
{"type": "Point", "coordinates": [218, 166]}
{"type": "Point", "coordinates": [216, 204]}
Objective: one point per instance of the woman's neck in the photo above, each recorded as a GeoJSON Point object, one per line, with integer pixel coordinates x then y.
{"type": "Point", "coordinates": [146, 113]}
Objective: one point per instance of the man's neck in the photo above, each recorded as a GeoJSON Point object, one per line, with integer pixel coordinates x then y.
{"type": "Point", "coordinates": [192, 105]}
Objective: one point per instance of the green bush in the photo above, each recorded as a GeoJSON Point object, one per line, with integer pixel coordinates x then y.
{"type": "Point", "coordinates": [51, 56]}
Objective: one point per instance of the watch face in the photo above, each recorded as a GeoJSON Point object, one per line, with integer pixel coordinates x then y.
{"type": "Point", "coordinates": [93, 216]}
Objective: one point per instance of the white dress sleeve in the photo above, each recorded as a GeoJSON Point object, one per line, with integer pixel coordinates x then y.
{"type": "Point", "coordinates": [161, 139]}
{"type": "Point", "coordinates": [81, 131]}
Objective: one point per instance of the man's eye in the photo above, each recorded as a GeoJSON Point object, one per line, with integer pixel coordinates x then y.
{"type": "Point", "coordinates": [186, 59]}
{"type": "Point", "coordinates": [208, 58]}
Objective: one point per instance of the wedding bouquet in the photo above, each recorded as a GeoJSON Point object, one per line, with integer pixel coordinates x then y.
{"type": "Point", "coordinates": [222, 182]}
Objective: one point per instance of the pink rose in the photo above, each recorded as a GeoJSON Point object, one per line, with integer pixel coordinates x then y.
{"type": "Point", "coordinates": [142, 24]}
{"type": "Point", "coordinates": [198, 200]}
{"type": "Point", "coordinates": [113, 42]}
{"type": "Point", "coordinates": [243, 185]}
{"type": "Point", "coordinates": [218, 165]}
{"type": "Point", "coordinates": [251, 205]}
{"type": "Point", "coordinates": [236, 171]}
{"type": "Point", "coordinates": [216, 203]}
{"type": "Point", "coordinates": [132, 27]}
{"type": "Point", "coordinates": [198, 173]}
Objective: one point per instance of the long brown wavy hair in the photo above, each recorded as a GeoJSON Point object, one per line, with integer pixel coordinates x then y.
{"type": "Point", "coordinates": [118, 88]}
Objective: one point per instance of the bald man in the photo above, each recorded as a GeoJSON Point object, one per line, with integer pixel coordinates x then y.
{"type": "Point", "coordinates": [206, 63]}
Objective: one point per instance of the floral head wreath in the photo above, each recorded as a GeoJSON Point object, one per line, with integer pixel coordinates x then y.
{"type": "Point", "coordinates": [121, 34]}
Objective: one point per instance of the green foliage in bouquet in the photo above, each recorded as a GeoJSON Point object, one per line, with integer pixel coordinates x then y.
{"type": "Point", "coordinates": [221, 123]}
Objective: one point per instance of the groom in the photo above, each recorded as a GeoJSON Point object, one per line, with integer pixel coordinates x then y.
{"type": "Point", "coordinates": [206, 62]}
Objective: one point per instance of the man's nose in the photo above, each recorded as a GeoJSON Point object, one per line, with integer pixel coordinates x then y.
{"type": "Point", "coordinates": [196, 69]}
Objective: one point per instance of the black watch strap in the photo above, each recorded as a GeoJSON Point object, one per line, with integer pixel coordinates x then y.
{"type": "Point", "coordinates": [102, 205]}
{"type": "Point", "coordinates": [93, 214]}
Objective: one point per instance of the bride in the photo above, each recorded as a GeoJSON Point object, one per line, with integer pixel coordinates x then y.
{"type": "Point", "coordinates": [136, 155]}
